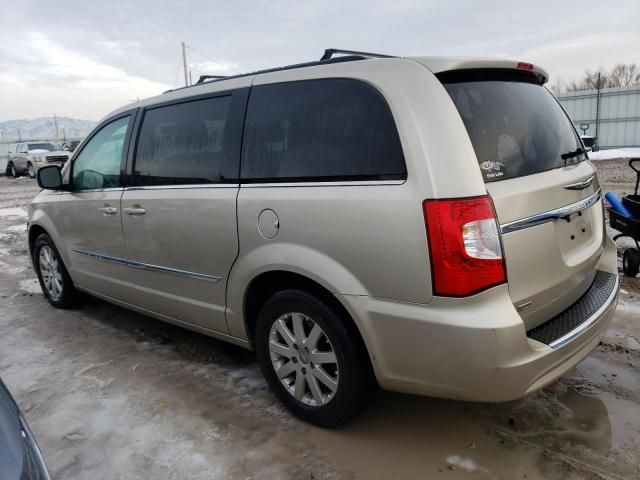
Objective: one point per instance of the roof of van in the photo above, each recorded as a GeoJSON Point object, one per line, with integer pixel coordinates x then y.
{"type": "Point", "coordinates": [435, 64]}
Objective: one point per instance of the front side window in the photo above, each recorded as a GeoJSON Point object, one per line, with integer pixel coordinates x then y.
{"type": "Point", "coordinates": [320, 130]}
{"type": "Point", "coordinates": [98, 164]}
{"type": "Point", "coordinates": [184, 144]}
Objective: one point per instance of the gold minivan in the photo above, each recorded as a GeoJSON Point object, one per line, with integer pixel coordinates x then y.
{"type": "Point", "coordinates": [429, 225]}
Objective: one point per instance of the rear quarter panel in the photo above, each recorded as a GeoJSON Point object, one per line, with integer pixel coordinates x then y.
{"type": "Point", "coordinates": [361, 238]}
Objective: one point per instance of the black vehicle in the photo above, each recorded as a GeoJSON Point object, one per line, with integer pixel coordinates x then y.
{"type": "Point", "coordinates": [20, 457]}
{"type": "Point", "coordinates": [629, 226]}
{"type": "Point", "coordinates": [70, 146]}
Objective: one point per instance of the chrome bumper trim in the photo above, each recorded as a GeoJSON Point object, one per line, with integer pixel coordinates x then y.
{"type": "Point", "coordinates": [545, 217]}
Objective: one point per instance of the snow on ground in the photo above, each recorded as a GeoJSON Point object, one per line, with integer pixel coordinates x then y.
{"type": "Point", "coordinates": [615, 153]}
{"type": "Point", "coordinates": [463, 463]}
{"type": "Point", "coordinates": [13, 212]}
{"type": "Point", "coordinates": [30, 285]}
{"type": "Point", "coordinates": [111, 394]}
{"type": "Point", "coordinates": [22, 227]}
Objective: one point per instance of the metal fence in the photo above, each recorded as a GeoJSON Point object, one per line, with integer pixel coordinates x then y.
{"type": "Point", "coordinates": [612, 115]}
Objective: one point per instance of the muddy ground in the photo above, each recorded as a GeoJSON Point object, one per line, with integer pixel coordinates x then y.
{"type": "Point", "coordinates": [111, 394]}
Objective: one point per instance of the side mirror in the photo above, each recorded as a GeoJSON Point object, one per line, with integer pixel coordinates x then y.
{"type": "Point", "coordinates": [50, 178]}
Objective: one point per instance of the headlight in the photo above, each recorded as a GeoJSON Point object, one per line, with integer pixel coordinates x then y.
{"type": "Point", "coordinates": [38, 158]}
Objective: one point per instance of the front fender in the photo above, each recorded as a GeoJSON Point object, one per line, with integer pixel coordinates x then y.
{"type": "Point", "coordinates": [288, 257]}
{"type": "Point", "coordinates": [39, 217]}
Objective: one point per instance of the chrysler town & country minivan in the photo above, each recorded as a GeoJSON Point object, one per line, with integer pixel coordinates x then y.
{"type": "Point", "coordinates": [429, 225]}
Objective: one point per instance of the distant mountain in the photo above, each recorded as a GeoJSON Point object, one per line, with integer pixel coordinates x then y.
{"type": "Point", "coordinates": [44, 128]}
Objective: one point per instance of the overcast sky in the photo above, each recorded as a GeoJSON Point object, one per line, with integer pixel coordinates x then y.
{"type": "Point", "coordinates": [83, 59]}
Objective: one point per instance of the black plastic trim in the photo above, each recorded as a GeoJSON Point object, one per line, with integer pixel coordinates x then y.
{"type": "Point", "coordinates": [580, 312]}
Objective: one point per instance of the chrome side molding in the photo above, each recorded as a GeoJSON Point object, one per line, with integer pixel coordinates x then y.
{"type": "Point", "coordinates": [545, 217]}
{"type": "Point", "coordinates": [581, 185]}
{"type": "Point", "coordinates": [149, 266]}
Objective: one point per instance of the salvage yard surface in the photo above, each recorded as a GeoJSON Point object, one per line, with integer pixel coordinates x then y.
{"type": "Point", "coordinates": [111, 394]}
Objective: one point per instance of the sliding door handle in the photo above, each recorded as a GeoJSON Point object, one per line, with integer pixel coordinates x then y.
{"type": "Point", "coordinates": [134, 211]}
{"type": "Point", "coordinates": [108, 210]}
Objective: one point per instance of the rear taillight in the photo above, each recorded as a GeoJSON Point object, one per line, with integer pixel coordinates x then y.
{"type": "Point", "coordinates": [464, 246]}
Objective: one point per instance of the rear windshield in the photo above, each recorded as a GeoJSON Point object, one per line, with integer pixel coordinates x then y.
{"type": "Point", "coordinates": [516, 128]}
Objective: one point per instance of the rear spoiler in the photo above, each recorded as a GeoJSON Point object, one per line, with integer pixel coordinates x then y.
{"type": "Point", "coordinates": [491, 74]}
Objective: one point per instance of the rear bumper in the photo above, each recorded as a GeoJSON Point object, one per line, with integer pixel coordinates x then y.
{"type": "Point", "coordinates": [473, 349]}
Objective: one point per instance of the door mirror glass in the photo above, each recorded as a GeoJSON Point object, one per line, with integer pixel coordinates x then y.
{"type": "Point", "coordinates": [50, 178]}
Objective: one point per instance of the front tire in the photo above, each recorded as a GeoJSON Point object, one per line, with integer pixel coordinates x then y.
{"type": "Point", "coordinates": [631, 262]}
{"type": "Point", "coordinates": [54, 279]}
{"type": "Point", "coordinates": [310, 360]}
{"type": "Point", "coordinates": [31, 170]}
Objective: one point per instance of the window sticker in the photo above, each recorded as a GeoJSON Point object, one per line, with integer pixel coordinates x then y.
{"type": "Point", "coordinates": [492, 169]}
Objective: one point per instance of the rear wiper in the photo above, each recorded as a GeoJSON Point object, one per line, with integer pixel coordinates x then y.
{"type": "Point", "coordinates": [578, 151]}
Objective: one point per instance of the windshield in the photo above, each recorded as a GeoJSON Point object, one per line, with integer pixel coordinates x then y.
{"type": "Point", "coordinates": [516, 128]}
{"type": "Point", "coordinates": [43, 146]}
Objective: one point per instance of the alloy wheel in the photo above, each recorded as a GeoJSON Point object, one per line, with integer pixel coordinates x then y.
{"type": "Point", "coordinates": [50, 272]}
{"type": "Point", "coordinates": [304, 359]}
{"type": "Point", "coordinates": [32, 171]}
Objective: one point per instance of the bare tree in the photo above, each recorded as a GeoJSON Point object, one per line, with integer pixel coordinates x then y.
{"type": "Point", "coordinates": [558, 86]}
{"type": "Point", "coordinates": [621, 75]}
{"type": "Point", "coordinates": [624, 75]}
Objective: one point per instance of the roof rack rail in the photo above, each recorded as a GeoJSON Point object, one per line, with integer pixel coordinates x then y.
{"type": "Point", "coordinates": [209, 77]}
{"type": "Point", "coordinates": [347, 56]}
{"type": "Point", "coordinates": [330, 52]}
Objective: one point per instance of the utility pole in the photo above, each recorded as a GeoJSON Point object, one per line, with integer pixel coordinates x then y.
{"type": "Point", "coordinates": [190, 79]}
{"type": "Point", "coordinates": [596, 146]}
{"type": "Point", "coordinates": [184, 64]}
{"type": "Point", "coordinates": [19, 136]}
{"type": "Point", "coordinates": [55, 123]}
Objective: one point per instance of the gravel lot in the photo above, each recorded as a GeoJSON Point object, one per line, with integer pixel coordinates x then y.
{"type": "Point", "coordinates": [111, 394]}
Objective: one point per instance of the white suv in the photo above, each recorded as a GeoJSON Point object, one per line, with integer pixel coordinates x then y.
{"type": "Point", "coordinates": [29, 157]}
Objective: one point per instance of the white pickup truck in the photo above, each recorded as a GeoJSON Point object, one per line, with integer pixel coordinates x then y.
{"type": "Point", "coordinates": [29, 157]}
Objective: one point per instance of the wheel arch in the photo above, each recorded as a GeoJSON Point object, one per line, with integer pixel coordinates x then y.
{"type": "Point", "coordinates": [34, 232]}
{"type": "Point", "coordinates": [266, 284]}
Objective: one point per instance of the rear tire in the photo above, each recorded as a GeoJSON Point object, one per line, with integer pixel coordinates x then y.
{"type": "Point", "coordinates": [631, 262]}
{"type": "Point", "coordinates": [54, 279]}
{"type": "Point", "coordinates": [11, 170]}
{"type": "Point", "coordinates": [314, 366]}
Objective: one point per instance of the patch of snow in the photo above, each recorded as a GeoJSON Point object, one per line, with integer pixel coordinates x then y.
{"type": "Point", "coordinates": [462, 463]}
{"type": "Point", "coordinates": [12, 270]}
{"type": "Point", "coordinates": [615, 153]}
{"type": "Point", "coordinates": [629, 307]}
{"type": "Point", "coordinates": [17, 228]}
{"type": "Point", "coordinates": [30, 286]}
{"type": "Point", "coordinates": [4, 252]}
{"type": "Point", "coordinates": [13, 212]}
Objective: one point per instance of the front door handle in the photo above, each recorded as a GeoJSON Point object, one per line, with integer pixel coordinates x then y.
{"type": "Point", "coordinates": [134, 211]}
{"type": "Point", "coordinates": [106, 210]}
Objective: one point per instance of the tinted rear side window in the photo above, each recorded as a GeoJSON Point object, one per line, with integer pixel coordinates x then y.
{"type": "Point", "coordinates": [320, 130]}
{"type": "Point", "coordinates": [185, 143]}
{"type": "Point", "coordinates": [516, 128]}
